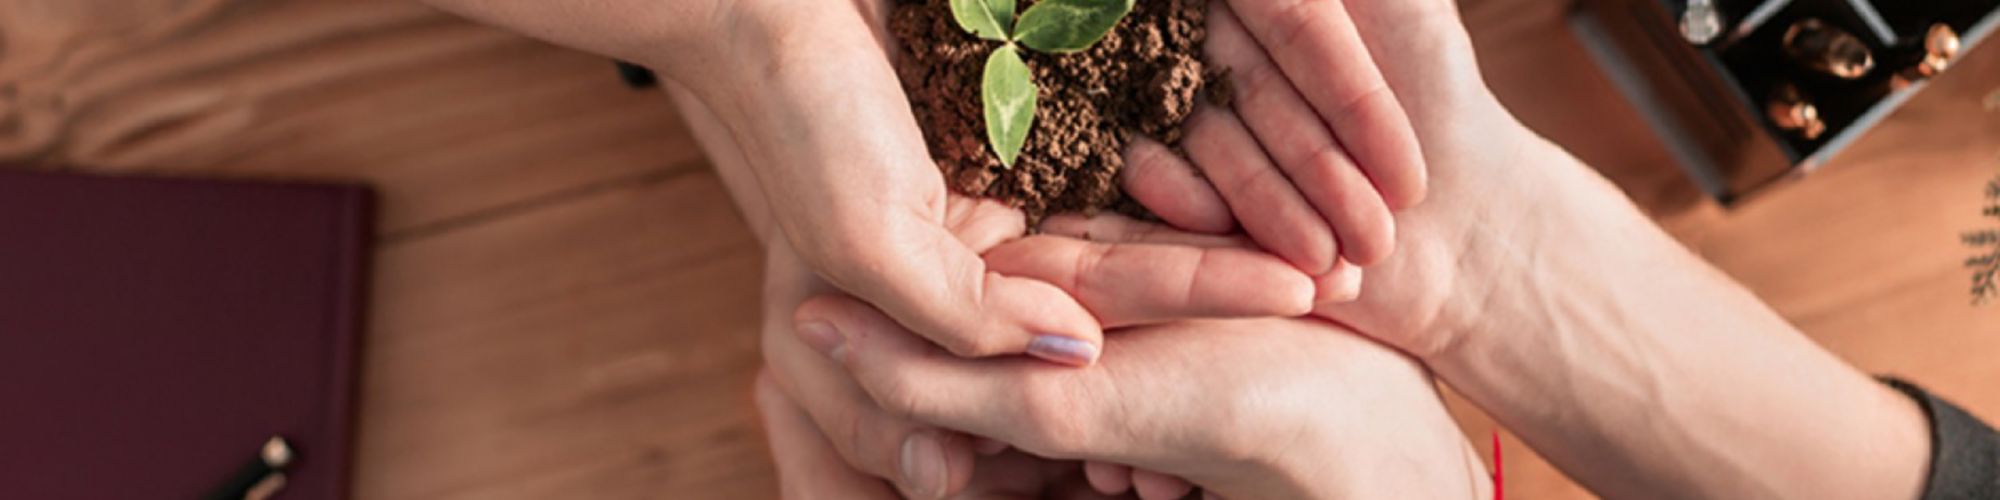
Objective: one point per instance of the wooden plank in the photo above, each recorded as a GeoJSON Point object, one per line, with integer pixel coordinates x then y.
{"type": "Point", "coordinates": [448, 119]}
{"type": "Point", "coordinates": [565, 304]}
{"type": "Point", "coordinates": [600, 347]}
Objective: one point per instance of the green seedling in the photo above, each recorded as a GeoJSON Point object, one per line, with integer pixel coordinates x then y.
{"type": "Point", "coordinates": [1007, 88]}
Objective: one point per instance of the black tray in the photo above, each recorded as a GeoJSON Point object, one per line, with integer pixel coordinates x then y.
{"type": "Point", "coordinates": [1709, 101]}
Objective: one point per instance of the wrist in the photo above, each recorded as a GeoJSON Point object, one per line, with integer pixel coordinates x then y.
{"type": "Point", "coordinates": [1390, 437]}
{"type": "Point", "coordinates": [768, 58]}
{"type": "Point", "coordinates": [1423, 462]}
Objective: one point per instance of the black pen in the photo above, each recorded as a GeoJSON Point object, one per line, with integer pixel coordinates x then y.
{"type": "Point", "coordinates": [260, 478]}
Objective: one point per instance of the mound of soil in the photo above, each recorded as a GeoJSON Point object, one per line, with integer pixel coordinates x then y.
{"type": "Point", "coordinates": [1143, 77]}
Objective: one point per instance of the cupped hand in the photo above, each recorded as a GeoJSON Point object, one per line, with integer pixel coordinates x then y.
{"type": "Point", "coordinates": [1267, 408]}
{"type": "Point", "coordinates": [1314, 151]}
{"type": "Point", "coordinates": [1425, 296]}
{"type": "Point", "coordinates": [811, 467]}
{"type": "Point", "coordinates": [1122, 283]}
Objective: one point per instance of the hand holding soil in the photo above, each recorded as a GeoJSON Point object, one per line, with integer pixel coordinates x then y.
{"type": "Point", "coordinates": [1310, 175]}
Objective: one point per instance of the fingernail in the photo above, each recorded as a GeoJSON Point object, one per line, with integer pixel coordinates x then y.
{"type": "Point", "coordinates": [923, 466]}
{"type": "Point", "coordinates": [823, 338]}
{"type": "Point", "coordinates": [1063, 350]}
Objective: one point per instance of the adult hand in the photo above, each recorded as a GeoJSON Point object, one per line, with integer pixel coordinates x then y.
{"type": "Point", "coordinates": [1535, 288]}
{"type": "Point", "coordinates": [1121, 283]}
{"type": "Point", "coordinates": [1416, 300]}
{"type": "Point", "coordinates": [807, 92]}
{"type": "Point", "coordinates": [1315, 150]}
{"type": "Point", "coordinates": [811, 467]}
{"type": "Point", "coordinates": [1271, 408]}
{"type": "Point", "coordinates": [1124, 284]}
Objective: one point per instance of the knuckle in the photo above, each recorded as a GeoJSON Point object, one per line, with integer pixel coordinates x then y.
{"type": "Point", "coordinates": [1293, 20]}
{"type": "Point", "coordinates": [1365, 101]}
{"type": "Point", "coordinates": [900, 399]}
{"type": "Point", "coordinates": [1325, 160]}
{"type": "Point", "coordinates": [1258, 82]}
{"type": "Point", "coordinates": [1317, 172]}
{"type": "Point", "coordinates": [1263, 77]}
{"type": "Point", "coordinates": [1259, 184]}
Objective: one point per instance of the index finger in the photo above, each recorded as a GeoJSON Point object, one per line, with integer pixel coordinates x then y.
{"type": "Point", "coordinates": [1127, 284]}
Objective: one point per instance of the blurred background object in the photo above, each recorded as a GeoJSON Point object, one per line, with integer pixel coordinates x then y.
{"type": "Point", "coordinates": [566, 304]}
{"type": "Point", "coordinates": [162, 331]}
{"type": "Point", "coordinates": [1778, 88]}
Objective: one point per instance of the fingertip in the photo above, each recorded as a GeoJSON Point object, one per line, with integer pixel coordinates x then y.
{"type": "Point", "coordinates": [1372, 243]}
{"type": "Point", "coordinates": [1156, 486]}
{"type": "Point", "coordinates": [1340, 286]}
{"type": "Point", "coordinates": [1312, 246]}
{"type": "Point", "coordinates": [1411, 192]}
{"type": "Point", "coordinates": [1298, 292]}
{"type": "Point", "coordinates": [960, 458]}
{"type": "Point", "coordinates": [1063, 350]}
{"type": "Point", "coordinates": [818, 309]}
{"type": "Point", "coordinates": [1108, 478]}
{"type": "Point", "coordinates": [1049, 322]}
{"type": "Point", "coordinates": [1234, 283]}
{"type": "Point", "coordinates": [922, 465]}
{"type": "Point", "coordinates": [813, 323]}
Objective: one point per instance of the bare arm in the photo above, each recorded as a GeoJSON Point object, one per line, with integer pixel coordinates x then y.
{"type": "Point", "coordinates": [1536, 288]}
{"type": "Point", "coordinates": [1642, 371]}
{"type": "Point", "coordinates": [668, 35]}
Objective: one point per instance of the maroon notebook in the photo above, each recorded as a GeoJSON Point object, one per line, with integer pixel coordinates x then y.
{"type": "Point", "coordinates": [155, 332]}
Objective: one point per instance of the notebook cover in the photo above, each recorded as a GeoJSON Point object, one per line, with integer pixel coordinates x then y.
{"type": "Point", "coordinates": [155, 332]}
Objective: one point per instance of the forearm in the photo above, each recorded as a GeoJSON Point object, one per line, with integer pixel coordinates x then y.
{"type": "Point", "coordinates": [673, 33]}
{"type": "Point", "coordinates": [1642, 371]}
{"type": "Point", "coordinates": [730, 165]}
{"type": "Point", "coordinates": [710, 46]}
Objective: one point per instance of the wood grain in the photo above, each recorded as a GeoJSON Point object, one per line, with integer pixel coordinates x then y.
{"type": "Point", "coordinates": [565, 303]}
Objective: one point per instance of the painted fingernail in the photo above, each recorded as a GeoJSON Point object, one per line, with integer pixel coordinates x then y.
{"type": "Point", "coordinates": [823, 338]}
{"type": "Point", "coordinates": [1063, 350]}
{"type": "Point", "coordinates": [923, 466]}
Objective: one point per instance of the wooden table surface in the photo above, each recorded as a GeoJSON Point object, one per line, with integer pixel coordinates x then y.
{"type": "Point", "coordinates": [565, 300]}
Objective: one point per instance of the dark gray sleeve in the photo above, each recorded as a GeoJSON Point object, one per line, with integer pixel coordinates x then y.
{"type": "Point", "coordinates": [1965, 453]}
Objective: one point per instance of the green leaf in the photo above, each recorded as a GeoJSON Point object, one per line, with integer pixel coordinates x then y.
{"type": "Point", "coordinates": [988, 19]}
{"type": "Point", "coordinates": [1062, 26]}
{"type": "Point", "coordinates": [1008, 91]}
{"type": "Point", "coordinates": [1003, 11]}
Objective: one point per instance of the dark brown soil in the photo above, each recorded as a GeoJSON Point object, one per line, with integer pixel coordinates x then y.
{"type": "Point", "coordinates": [1142, 78]}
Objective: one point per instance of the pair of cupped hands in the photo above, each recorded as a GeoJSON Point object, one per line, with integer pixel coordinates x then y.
{"type": "Point", "coordinates": [921, 343]}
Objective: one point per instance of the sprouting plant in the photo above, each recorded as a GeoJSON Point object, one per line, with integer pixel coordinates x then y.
{"type": "Point", "coordinates": [1986, 266]}
{"type": "Point", "coordinates": [1007, 89]}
